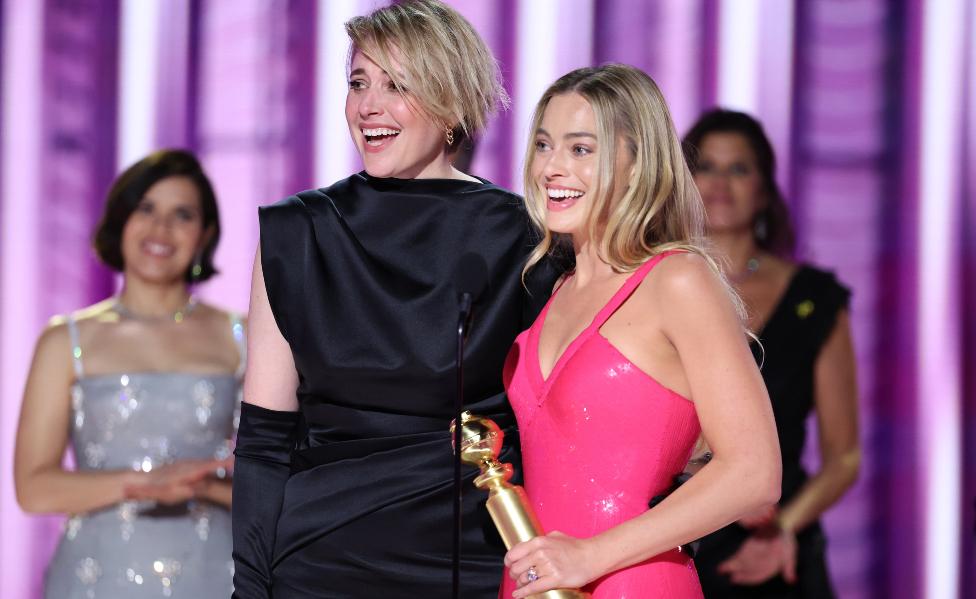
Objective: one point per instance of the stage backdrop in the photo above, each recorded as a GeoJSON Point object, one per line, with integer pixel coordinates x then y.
{"type": "Point", "coordinates": [870, 105]}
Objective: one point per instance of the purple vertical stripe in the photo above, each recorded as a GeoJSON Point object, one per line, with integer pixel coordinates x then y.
{"type": "Point", "coordinates": [254, 125]}
{"type": "Point", "coordinates": [79, 146]}
{"type": "Point", "coordinates": [173, 69]}
{"type": "Point", "coordinates": [709, 54]}
{"type": "Point", "coordinates": [191, 109]}
{"type": "Point", "coordinates": [615, 24]}
{"type": "Point", "coordinates": [77, 154]}
{"type": "Point", "coordinates": [495, 22]}
{"type": "Point", "coordinates": [902, 537]}
{"type": "Point", "coordinates": [967, 252]}
{"type": "Point", "coordinates": [300, 57]}
{"type": "Point", "coordinates": [499, 139]}
{"type": "Point", "coordinates": [801, 18]}
{"type": "Point", "coordinates": [505, 44]}
{"type": "Point", "coordinates": [842, 149]}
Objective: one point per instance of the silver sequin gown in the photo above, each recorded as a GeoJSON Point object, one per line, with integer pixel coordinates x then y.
{"type": "Point", "coordinates": [138, 549]}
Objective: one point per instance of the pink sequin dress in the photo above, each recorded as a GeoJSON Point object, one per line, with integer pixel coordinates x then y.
{"type": "Point", "coordinates": [599, 439]}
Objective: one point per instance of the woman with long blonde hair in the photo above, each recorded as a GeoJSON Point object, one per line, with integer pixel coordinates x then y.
{"type": "Point", "coordinates": [641, 349]}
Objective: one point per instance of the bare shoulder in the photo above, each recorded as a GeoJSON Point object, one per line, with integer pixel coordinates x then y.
{"type": "Point", "coordinates": [218, 316]}
{"type": "Point", "coordinates": [684, 276]}
{"type": "Point", "coordinates": [212, 312]}
{"type": "Point", "coordinates": [54, 335]}
{"type": "Point", "coordinates": [56, 332]}
{"type": "Point", "coordinates": [97, 312]}
{"type": "Point", "coordinates": [683, 290]}
{"type": "Point", "coordinates": [52, 352]}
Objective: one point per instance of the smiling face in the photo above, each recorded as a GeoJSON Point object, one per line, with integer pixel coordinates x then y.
{"type": "Point", "coordinates": [565, 164]}
{"type": "Point", "coordinates": [729, 181]}
{"type": "Point", "coordinates": [394, 138]}
{"type": "Point", "coordinates": [164, 232]}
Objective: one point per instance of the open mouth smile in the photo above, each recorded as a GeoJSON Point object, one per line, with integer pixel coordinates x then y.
{"type": "Point", "coordinates": [561, 198]}
{"type": "Point", "coordinates": [158, 250]}
{"type": "Point", "coordinates": [379, 137]}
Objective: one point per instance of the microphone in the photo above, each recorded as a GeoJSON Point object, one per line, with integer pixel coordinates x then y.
{"type": "Point", "coordinates": [471, 278]}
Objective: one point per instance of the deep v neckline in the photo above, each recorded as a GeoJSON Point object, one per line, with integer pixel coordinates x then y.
{"type": "Point", "coordinates": [543, 317]}
{"type": "Point", "coordinates": [611, 305]}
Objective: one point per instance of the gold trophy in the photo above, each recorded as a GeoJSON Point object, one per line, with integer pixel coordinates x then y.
{"type": "Point", "coordinates": [481, 443]}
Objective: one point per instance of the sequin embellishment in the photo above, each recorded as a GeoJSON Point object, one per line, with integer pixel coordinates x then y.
{"type": "Point", "coordinates": [142, 421]}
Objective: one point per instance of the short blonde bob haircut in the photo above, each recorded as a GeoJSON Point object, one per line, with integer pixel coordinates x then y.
{"type": "Point", "coordinates": [443, 64]}
{"type": "Point", "coordinates": [660, 209]}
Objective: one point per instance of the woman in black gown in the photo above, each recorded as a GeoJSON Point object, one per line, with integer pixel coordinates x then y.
{"type": "Point", "coordinates": [343, 479]}
{"type": "Point", "coordinates": [800, 315]}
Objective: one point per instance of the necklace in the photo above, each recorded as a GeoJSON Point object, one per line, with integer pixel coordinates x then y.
{"type": "Point", "coordinates": [752, 265]}
{"type": "Point", "coordinates": [178, 316]}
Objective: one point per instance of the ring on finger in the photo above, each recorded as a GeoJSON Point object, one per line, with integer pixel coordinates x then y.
{"type": "Point", "coordinates": [532, 574]}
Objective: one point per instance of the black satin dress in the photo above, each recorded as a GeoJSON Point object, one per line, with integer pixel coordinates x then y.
{"type": "Point", "coordinates": [792, 337]}
{"type": "Point", "coordinates": [361, 281]}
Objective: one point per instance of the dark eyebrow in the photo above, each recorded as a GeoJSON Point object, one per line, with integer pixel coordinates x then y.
{"type": "Point", "coordinates": [541, 131]}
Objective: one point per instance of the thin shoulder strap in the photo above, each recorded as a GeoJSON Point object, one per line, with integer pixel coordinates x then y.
{"type": "Point", "coordinates": [237, 330]}
{"type": "Point", "coordinates": [628, 288]}
{"type": "Point", "coordinates": [75, 346]}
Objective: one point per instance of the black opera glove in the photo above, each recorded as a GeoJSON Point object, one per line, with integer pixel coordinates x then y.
{"type": "Point", "coordinates": [265, 439]}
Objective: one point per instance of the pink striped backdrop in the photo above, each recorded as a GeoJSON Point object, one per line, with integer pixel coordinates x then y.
{"type": "Point", "coordinates": [255, 87]}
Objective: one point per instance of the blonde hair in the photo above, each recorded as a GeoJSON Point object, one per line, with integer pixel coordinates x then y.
{"type": "Point", "coordinates": [444, 64]}
{"type": "Point", "coordinates": [660, 209]}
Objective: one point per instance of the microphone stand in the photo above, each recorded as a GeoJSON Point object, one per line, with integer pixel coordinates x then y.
{"type": "Point", "coordinates": [464, 318]}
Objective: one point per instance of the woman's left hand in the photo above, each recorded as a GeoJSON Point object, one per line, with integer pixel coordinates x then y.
{"type": "Point", "coordinates": [559, 561]}
{"type": "Point", "coordinates": [761, 557]}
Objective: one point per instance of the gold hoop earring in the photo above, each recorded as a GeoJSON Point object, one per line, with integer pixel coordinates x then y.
{"type": "Point", "coordinates": [449, 136]}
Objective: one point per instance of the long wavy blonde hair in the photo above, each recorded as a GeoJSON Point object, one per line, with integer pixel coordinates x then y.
{"type": "Point", "coordinates": [660, 209]}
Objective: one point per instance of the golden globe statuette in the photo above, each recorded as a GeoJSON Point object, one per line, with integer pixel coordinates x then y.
{"type": "Point", "coordinates": [481, 443]}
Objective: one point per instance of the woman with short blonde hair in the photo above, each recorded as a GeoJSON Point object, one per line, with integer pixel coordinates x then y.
{"type": "Point", "coordinates": [344, 473]}
{"type": "Point", "coordinates": [451, 74]}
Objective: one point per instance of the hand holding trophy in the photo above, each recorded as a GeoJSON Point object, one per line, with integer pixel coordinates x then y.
{"type": "Point", "coordinates": [481, 444]}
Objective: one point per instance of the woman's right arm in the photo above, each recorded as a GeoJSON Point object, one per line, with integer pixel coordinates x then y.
{"type": "Point", "coordinates": [268, 429]}
{"type": "Point", "coordinates": [271, 378]}
{"type": "Point", "coordinates": [43, 485]}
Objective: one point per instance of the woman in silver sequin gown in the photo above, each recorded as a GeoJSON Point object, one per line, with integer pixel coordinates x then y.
{"type": "Point", "coordinates": [145, 387]}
